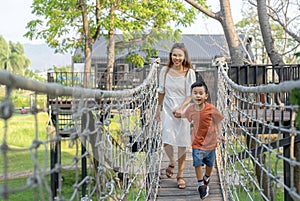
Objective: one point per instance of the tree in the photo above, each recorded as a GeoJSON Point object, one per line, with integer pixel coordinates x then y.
{"type": "Point", "coordinates": [4, 52]}
{"type": "Point", "coordinates": [286, 14]}
{"type": "Point", "coordinates": [33, 75]}
{"type": "Point", "coordinates": [289, 21]}
{"type": "Point", "coordinates": [136, 20]}
{"type": "Point", "coordinates": [224, 16]}
{"type": "Point", "coordinates": [266, 31]}
{"type": "Point", "coordinates": [249, 26]}
{"type": "Point", "coordinates": [146, 24]}
{"type": "Point", "coordinates": [12, 57]}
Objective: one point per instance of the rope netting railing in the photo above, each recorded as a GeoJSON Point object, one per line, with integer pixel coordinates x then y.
{"type": "Point", "coordinates": [106, 145]}
{"type": "Point", "coordinates": [261, 157]}
{"type": "Point", "coordinates": [101, 145]}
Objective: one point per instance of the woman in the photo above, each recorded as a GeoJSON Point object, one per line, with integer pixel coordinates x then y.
{"type": "Point", "coordinates": [174, 95]}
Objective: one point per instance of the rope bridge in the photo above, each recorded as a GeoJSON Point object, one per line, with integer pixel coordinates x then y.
{"type": "Point", "coordinates": [111, 136]}
{"type": "Point", "coordinates": [106, 145]}
{"type": "Point", "coordinates": [261, 159]}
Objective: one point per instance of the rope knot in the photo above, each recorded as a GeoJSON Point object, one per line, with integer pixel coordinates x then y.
{"type": "Point", "coordinates": [6, 109]}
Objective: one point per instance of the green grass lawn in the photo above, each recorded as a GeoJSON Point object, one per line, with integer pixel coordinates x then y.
{"type": "Point", "coordinates": [28, 194]}
{"type": "Point", "coordinates": [255, 195]}
{"type": "Point", "coordinates": [276, 166]}
{"type": "Point", "coordinates": [275, 162]}
{"type": "Point", "coordinates": [68, 189]}
{"type": "Point", "coordinates": [21, 133]}
{"type": "Point", "coordinates": [21, 129]}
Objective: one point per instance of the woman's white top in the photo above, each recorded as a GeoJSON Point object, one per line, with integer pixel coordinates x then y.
{"type": "Point", "coordinates": [175, 131]}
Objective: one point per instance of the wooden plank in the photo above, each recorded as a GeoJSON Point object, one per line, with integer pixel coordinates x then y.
{"type": "Point", "coordinates": [168, 186]}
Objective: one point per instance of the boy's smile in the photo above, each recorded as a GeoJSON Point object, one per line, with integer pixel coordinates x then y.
{"type": "Point", "coordinates": [199, 96]}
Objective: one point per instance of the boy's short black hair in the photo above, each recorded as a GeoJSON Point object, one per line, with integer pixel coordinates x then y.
{"type": "Point", "coordinates": [200, 84]}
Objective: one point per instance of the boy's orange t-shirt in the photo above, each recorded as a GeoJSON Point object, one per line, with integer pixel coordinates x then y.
{"type": "Point", "coordinates": [205, 121]}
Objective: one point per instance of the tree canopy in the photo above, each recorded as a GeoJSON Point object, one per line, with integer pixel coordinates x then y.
{"type": "Point", "coordinates": [68, 25]}
{"type": "Point", "coordinates": [61, 23]}
{"type": "Point", "coordinates": [12, 57]}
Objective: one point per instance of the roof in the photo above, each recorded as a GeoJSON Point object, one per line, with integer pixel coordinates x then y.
{"type": "Point", "coordinates": [201, 47]}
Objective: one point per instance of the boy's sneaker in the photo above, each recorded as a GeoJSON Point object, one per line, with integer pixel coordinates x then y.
{"type": "Point", "coordinates": [203, 191]}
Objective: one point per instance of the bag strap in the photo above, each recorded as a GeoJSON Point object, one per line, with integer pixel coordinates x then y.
{"type": "Point", "coordinates": [166, 77]}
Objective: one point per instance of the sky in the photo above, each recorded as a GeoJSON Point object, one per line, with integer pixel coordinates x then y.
{"type": "Point", "coordinates": [14, 15]}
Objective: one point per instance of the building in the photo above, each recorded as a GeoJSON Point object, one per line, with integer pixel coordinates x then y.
{"type": "Point", "coordinates": [202, 50]}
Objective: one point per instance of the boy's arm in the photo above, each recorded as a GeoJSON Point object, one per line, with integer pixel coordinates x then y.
{"type": "Point", "coordinates": [186, 102]}
{"type": "Point", "coordinates": [186, 114]}
{"type": "Point", "coordinates": [220, 138]}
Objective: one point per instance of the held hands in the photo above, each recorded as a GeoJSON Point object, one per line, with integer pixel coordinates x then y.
{"type": "Point", "coordinates": [177, 113]}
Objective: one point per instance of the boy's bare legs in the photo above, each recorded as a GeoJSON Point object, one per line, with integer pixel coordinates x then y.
{"type": "Point", "coordinates": [199, 173]}
{"type": "Point", "coordinates": [208, 171]}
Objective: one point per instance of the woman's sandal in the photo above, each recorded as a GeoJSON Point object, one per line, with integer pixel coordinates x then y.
{"type": "Point", "coordinates": [181, 183]}
{"type": "Point", "coordinates": [170, 171]}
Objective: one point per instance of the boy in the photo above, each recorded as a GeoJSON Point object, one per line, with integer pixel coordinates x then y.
{"type": "Point", "coordinates": [206, 121]}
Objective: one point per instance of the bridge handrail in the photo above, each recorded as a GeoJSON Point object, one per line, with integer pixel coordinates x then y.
{"type": "Point", "coordinates": [260, 159]}
{"type": "Point", "coordinates": [285, 86]}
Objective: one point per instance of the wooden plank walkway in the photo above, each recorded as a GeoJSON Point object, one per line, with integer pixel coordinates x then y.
{"type": "Point", "coordinates": [168, 190]}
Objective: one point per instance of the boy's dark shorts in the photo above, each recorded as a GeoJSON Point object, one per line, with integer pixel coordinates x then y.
{"type": "Point", "coordinates": [201, 157]}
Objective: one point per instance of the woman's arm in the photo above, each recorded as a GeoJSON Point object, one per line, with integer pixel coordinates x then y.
{"type": "Point", "coordinates": [161, 97]}
{"type": "Point", "coordinates": [161, 92]}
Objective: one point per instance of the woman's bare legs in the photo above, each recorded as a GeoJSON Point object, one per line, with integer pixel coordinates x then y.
{"type": "Point", "coordinates": [170, 153]}
{"type": "Point", "coordinates": [181, 160]}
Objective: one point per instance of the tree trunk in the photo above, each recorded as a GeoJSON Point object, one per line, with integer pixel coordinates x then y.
{"type": "Point", "coordinates": [110, 52]}
{"type": "Point", "coordinates": [265, 28]}
{"type": "Point", "coordinates": [232, 37]}
{"type": "Point", "coordinates": [275, 58]}
{"type": "Point", "coordinates": [225, 18]}
{"type": "Point", "coordinates": [110, 60]}
{"type": "Point", "coordinates": [87, 44]}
